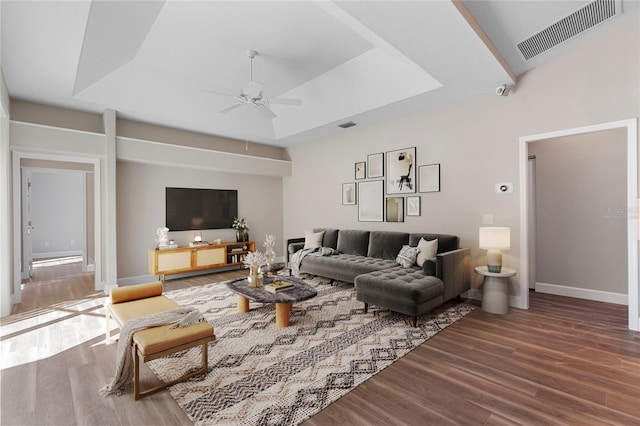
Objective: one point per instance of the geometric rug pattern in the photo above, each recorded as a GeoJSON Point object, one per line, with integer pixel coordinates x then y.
{"type": "Point", "coordinates": [262, 375]}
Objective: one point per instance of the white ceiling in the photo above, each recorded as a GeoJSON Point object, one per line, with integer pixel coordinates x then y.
{"type": "Point", "coordinates": [359, 61]}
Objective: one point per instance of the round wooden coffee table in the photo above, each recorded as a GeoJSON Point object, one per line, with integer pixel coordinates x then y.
{"type": "Point", "coordinates": [283, 300]}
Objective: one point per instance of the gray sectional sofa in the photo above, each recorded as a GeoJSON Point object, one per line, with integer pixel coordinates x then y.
{"type": "Point", "coordinates": [367, 259]}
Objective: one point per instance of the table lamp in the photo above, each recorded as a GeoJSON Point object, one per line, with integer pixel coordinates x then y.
{"type": "Point", "coordinates": [494, 239]}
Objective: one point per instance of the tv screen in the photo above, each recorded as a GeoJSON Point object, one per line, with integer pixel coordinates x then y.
{"type": "Point", "coordinates": [190, 209]}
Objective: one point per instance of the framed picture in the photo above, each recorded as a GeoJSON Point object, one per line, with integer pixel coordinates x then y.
{"type": "Point", "coordinates": [395, 209]}
{"type": "Point", "coordinates": [348, 194]}
{"type": "Point", "coordinates": [413, 206]}
{"type": "Point", "coordinates": [375, 165]}
{"type": "Point", "coordinates": [370, 201]}
{"type": "Point", "coordinates": [401, 171]}
{"type": "Point", "coordinates": [430, 178]}
{"type": "Point", "coordinates": [361, 168]}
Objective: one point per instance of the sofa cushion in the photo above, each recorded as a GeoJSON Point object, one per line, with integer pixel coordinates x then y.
{"type": "Point", "coordinates": [312, 239]}
{"type": "Point", "coordinates": [407, 256]}
{"type": "Point", "coordinates": [330, 238]}
{"type": "Point", "coordinates": [386, 245]}
{"type": "Point", "coordinates": [427, 250]}
{"type": "Point", "coordinates": [429, 268]}
{"type": "Point", "coordinates": [343, 267]}
{"type": "Point", "coordinates": [445, 242]}
{"type": "Point", "coordinates": [352, 241]}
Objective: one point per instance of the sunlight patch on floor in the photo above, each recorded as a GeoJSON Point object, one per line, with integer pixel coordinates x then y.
{"type": "Point", "coordinates": [43, 263]}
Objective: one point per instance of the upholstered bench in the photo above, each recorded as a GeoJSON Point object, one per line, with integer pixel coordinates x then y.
{"type": "Point", "coordinates": [135, 301]}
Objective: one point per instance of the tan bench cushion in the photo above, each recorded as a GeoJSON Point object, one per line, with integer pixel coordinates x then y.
{"type": "Point", "coordinates": [158, 339]}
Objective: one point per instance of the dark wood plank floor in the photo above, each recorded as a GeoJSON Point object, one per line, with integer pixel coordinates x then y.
{"type": "Point", "coordinates": [563, 361]}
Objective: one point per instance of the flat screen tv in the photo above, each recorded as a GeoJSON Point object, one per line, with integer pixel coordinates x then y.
{"type": "Point", "coordinates": [190, 209]}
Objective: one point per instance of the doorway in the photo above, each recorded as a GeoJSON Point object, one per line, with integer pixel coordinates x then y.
{"type": "Point", "coordinates": [90, 169]}
{"type": "Point", "coordinates": [631, 216]}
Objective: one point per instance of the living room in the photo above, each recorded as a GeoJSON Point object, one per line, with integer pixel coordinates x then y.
{"type": "Point", "coordinates": [286, 191]}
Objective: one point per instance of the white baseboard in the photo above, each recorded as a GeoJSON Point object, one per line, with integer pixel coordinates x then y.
{"type": "Point", "coordinates": [583, 293]}
{"type": "Point", "coordinates": [52, 254]}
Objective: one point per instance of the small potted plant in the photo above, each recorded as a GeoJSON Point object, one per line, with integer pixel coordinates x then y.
{"type": "Point", "coordinates": [241, 228]}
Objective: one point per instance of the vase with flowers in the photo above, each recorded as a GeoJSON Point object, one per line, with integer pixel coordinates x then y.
{"type": "Point", "coordinates": [269, 249]}
{"type": "Point", "coordinates": [242, 228]}
{"type": "Point", "coordinates": [253, 261]}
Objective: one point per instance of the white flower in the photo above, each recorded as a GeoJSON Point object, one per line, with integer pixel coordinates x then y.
{"type": "Point", "coordinates": [254, 258]}
{"type": "Point", "coordinates": [270, 241]}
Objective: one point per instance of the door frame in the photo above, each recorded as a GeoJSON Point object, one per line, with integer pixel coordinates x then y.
{"type": "Point", "coordinates": [631, 126]}
{"type": "Point", "coordinates": [17, 214]}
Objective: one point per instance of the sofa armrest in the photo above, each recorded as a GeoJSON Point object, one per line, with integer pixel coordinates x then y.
{"type": "Point", "coordinates": [453, 268]}
{"type": "Point", "coordinates": [293, 245]}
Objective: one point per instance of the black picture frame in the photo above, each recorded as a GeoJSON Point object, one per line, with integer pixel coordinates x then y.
{"type": "Point", "coordinates": [349, 194]}
{"type": "Point", "coordinates": [412, 206]}
{"type": "Point", "coordinates": [371, 201]}
{"type": "Point", "coordinates": [401, 171]}
{"type": "Point", "coordinates": [375, 165]}
{"type": "Point", "coordinates": [394, 209]}
{"type": "Point", "coordinates": [429, 178]}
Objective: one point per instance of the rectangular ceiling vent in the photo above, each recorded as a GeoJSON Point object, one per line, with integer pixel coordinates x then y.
{"type": "Point", "coordinates": [571, 25]}
{"type": "Point", "coordinates": [347, 124]}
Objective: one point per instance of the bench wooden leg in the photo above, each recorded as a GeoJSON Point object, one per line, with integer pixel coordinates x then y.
{"type": "Point", "coordinates": [366, 308]}
{"type": "Point", "coordinates": [137, 357]}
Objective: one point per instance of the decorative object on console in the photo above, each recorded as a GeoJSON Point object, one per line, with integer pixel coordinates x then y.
{"type": "Point", "coordinates": [361, 168]}
{"type": "Point", "coordinates": [375, 165]}
{"type": "Point", "coordinates": [413, 206]}
{"type": "Point", "coordinates": [395, 209]}
{"type": "Point", "coordinates": [429, 178]}
{"type": "Point", "coordinates": [370, 201]}
{"type": "Point", "coordinates": [348, 194]}
{"type": "Point", "coordinates": [493, 239]}
{"type": "Point", "coordinates": [163, 236]}
{"type": "Point", "coordinates": [269, 249]}
{"type": "Point", "coordinates": [401, 171]}
{"type": "Point", "coordinates": [253, 260]}
{"type": "Point", "coordinates": [241, 227]}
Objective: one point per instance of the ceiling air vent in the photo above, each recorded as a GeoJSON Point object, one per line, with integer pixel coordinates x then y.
{"type": "Point", "coordinates": [571, 25]}
{"type": "Point", "coordinates": [347, 124]}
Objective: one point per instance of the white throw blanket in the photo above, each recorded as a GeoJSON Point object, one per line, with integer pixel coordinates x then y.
{"type": "Point", "coordinates": [296, 258]}
{"type": "Point", "coordinates": [179, 317]}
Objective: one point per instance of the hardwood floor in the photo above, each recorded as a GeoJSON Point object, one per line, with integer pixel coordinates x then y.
{"type": "Point", "coordinates": [563, 361]}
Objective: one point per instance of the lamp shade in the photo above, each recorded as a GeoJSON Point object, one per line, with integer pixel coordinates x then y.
{"type": "Point", "coordinates": [495, 238]}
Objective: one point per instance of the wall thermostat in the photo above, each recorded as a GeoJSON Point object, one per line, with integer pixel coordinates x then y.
{"type": "Point", "coordinates": [504, 188]}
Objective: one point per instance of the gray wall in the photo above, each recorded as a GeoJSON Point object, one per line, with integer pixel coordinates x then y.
{"type": "Point", "coordinates": [141, 209]}
{"type": "Point", "coordinates": [476, 142]}
{"type": "Point", "coordinates": [57, 211]}
{"type": "Point", "coordinates": [581, 229]}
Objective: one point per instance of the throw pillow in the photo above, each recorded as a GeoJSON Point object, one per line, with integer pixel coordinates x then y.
{"type": "Point", "coordinates": [428, 250]}
{"type": "Point", "coordinates": [429, 268]}
{"type": "Point", "coordinates": [407, 256]}
{"type": "Point", "coordinates": [313, 239]}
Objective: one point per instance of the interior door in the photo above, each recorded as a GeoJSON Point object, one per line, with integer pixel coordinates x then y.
{"type": "Point", "coordinates": [27, 225]}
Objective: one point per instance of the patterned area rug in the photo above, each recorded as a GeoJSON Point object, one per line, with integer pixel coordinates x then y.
{"type": "Point", "coordinates": [261, 375]}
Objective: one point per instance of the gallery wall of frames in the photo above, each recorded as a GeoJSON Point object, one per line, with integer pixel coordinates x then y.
{"type": "Point", "coordinates": [384, 186]}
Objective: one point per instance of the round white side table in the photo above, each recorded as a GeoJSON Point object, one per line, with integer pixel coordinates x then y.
{"type": "Point", "coordinates": [495, 289]}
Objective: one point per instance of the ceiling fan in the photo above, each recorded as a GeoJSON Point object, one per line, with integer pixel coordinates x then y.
{"type": "Point", "coordinates": [252, 95]}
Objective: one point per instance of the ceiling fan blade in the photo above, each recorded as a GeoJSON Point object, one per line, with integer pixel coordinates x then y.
{"type": "Point", "coordinates": [254, 90]}
{"type": "Point", "coordinates": [221, 93]}
{"type": "Point", "coordinates": [231, 108]}
{"type": "Point", "coordinates": [266, 111]}
{"type": "Point", "coordinates": [285, 101]}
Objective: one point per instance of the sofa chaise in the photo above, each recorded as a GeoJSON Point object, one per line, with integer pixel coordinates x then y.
{"type": "Point", "coordinates": [368, 259]}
